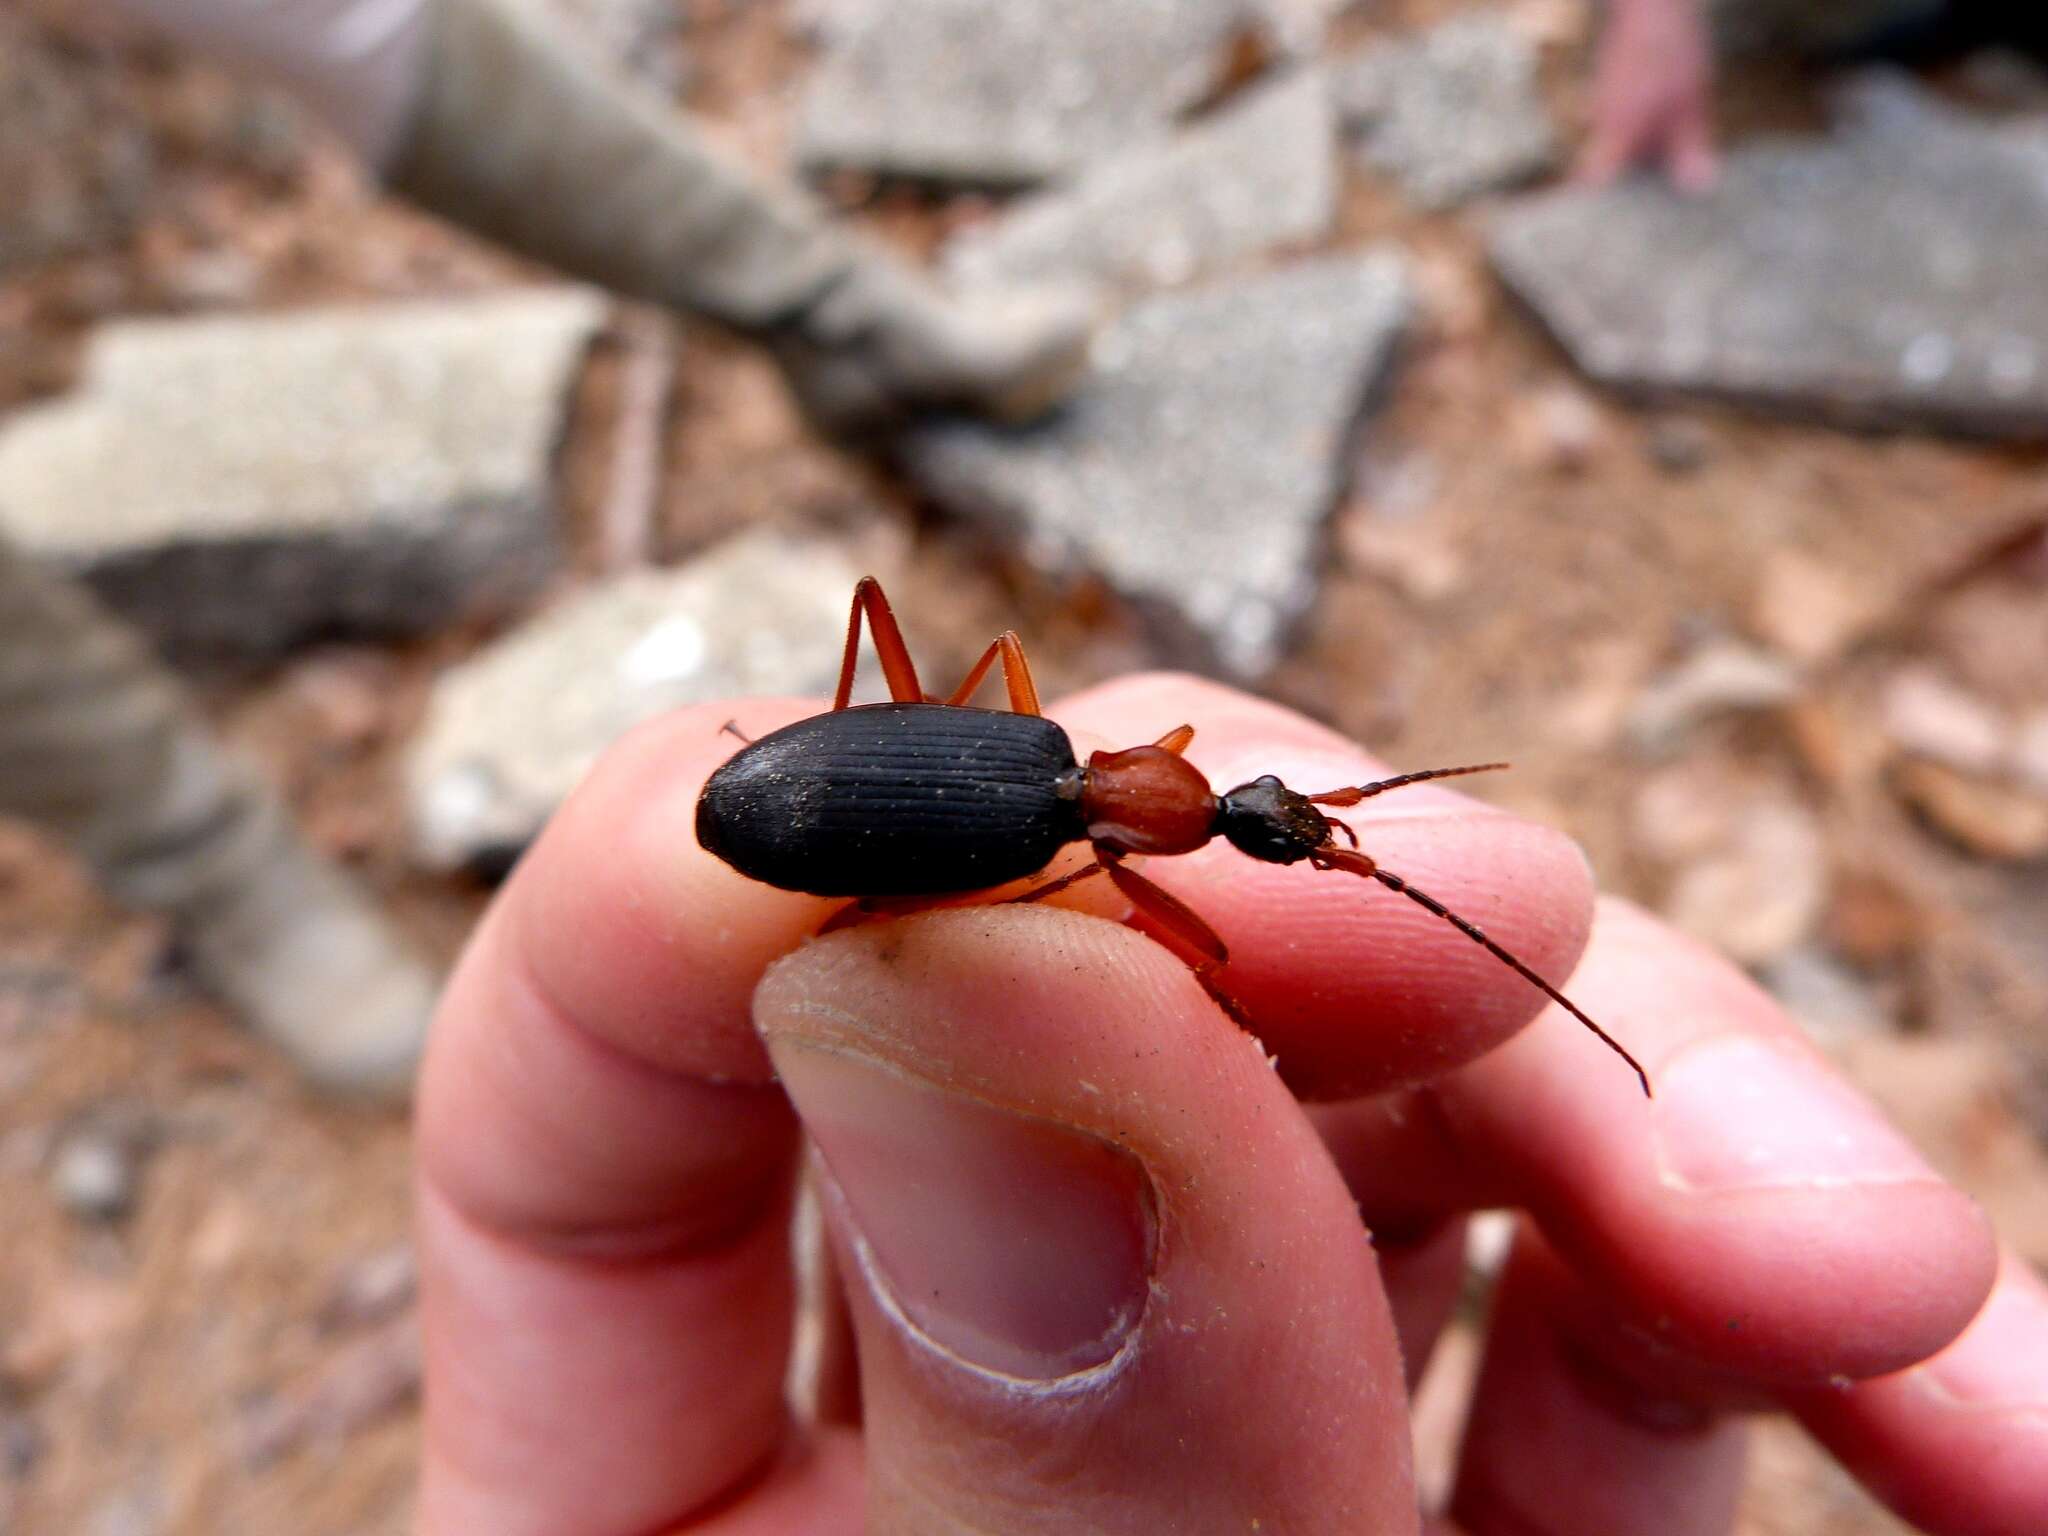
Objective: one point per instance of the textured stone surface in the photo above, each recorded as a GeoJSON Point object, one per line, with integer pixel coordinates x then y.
{"type": "Point", "coordinates": [1889, 273]}
{"type": "Point", "coordinates": [75, 157]}
{"type": "Point", "coordinates": [237, 484]}
{"type": "Point", "coordinates": [1450, 113]}
{"type": "Point", "coordinates": [1260, 172]}
{"type": "Point", "coordinates": [996, 93]}
{"type": "Point", "coordinates": [1194, 471]}
{"type": "Point", "coordinates": [509, 732]}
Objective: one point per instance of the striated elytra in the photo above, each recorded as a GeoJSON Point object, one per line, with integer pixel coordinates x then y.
{"type": "Point", "coordinates": [895, 800]}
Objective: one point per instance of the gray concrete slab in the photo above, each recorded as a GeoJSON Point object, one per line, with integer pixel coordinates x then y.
{"type": "Point", "coordinates": [1195, 470]}
{"type": "Point", "coordinates": [237, 484]}
{"type": "Point", "coordinates": [1890, 273]}
{"type": "Point", "coordinates": [996, 93]}
{"type": "Point", "coordinates": [1258, 173]}
{"type": "Point", "coordinates": [1452, 112]}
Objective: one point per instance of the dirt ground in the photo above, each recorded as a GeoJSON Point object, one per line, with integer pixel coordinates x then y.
{"type": "Point", "coordinates": [1521, 563]}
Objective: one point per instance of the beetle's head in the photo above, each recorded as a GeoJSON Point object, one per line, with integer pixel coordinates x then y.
{"type": "Point", "coordinates": [1269, 821]}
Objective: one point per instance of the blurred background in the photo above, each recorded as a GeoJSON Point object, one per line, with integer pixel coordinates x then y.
{"type": "Point", "coordinates": [1721, 513]}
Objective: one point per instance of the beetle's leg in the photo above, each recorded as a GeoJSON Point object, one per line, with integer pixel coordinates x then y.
{"type": "Point", "coordinates": [1176, 740]}
{"type": "Point", "coordinates": [1196, 940]}
{"type": "Point", "coordinates": [1016, 675]}
{"type": "Point", "coordinates": [1358, 792]}
{"type": "Point", "coordinates": [1054, 887]}
{"type": "Point", "coordinates": [732, 728]}
{"type": "Point", "coordinates": [1198, 945]}
{"type": "Point", "coordinates": [889, 646]}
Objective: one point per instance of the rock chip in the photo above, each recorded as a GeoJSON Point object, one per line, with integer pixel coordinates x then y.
{"type": "Point", "coordinates": [1453, 112]}
{"type": "Point", "coordinates": [1885, 274]}
{"type": "Point", "coordinates": [1195, 469]}
{"type": "Point", "coordinates": [235, 484]}
{"type": "Point", "coordinates": [991, 93]}
{"type": "Point", "coordinates": [1260, 172]}
{"type": "Point", "coordinates": [94, 1174]}
{"type": "Point", "coordinates": [509, 732]}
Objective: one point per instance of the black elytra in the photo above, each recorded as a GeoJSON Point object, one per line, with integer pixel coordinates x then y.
{"type": "Point", "coordinates": [895, 800]}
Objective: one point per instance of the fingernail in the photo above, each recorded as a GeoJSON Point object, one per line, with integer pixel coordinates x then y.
{"type": "Point", "coordinates": [1737, 1113]}
{"type": "Point", "coordinates": [1020, 1246]}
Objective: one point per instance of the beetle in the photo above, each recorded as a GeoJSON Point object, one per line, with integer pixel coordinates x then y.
{"type": "Point", "coordinates": [920, 798]}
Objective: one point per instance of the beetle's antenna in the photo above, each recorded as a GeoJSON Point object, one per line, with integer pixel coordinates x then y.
{"type": "Point", "coordinates": [1358, 792]}
{"type": "Point", "coordinates": [1362, 864]}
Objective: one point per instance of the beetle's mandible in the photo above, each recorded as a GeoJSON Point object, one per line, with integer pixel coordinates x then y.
{"type": "Point", "coordinates": [928, 797]}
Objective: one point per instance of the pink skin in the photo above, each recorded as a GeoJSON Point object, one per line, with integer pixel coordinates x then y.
{"type": "Point", "coordinates": [1103, 1267]}
{"type": "Point", "coordinates": [1653, 95]}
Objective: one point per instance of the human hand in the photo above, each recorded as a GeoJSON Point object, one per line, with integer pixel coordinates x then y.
{"type": "Point", "coordinates": [1653, 95]}
{"type": "Point", "coordinates": [1105, 1269]}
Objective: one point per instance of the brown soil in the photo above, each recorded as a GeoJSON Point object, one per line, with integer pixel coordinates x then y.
{"type": "Point", "coordinates": [1520, 558]}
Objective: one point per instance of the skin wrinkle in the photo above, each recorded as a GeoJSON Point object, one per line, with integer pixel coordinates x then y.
{"type": "Point", "coordinates": [685, 1237]}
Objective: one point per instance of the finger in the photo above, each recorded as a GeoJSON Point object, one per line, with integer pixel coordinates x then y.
{"type": "Point", "coordinates": [1957, 1445]}
{"type": "Point", "coordinates": [1354, 988]}
{"type": "Point", "coordinates": [1104, 1277]}
{"type": "Point", "coordinates": [1689, 156]}
{"type": "Point", "coordinates": [604, 1176]}
{"type": "Point", "coordinates": [1424, 1276]}
{"type": "Point", "coordinates": [1553, 1448]}
{"type": "Point", "coordinates": [1610, 149]}
{"type": "Point", "coordinates": [1758, 1218]}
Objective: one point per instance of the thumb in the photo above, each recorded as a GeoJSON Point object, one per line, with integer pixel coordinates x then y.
{"type": "Point", "coordinates": [1105, 1278]}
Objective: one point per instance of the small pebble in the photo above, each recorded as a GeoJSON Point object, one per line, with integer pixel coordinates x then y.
{"type": "Point", "coordinates": [94, 1175]}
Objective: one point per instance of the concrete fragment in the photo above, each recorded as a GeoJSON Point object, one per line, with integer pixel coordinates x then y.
{"type": "Point", "coordinates": [1260, 173]}
{"type": "Point", "coordinates": [236, 484]}
{"type": "Point", "coordinates": [509, 732]}
{"type": "Point", "coordinates": [991, 93]}
{"type": "Point", "coordinates": [1886, 274]}
{"type": "Point", "coordinates": [1195, 469]}
{"type": "Point", "coordinates": [1451, 113]}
